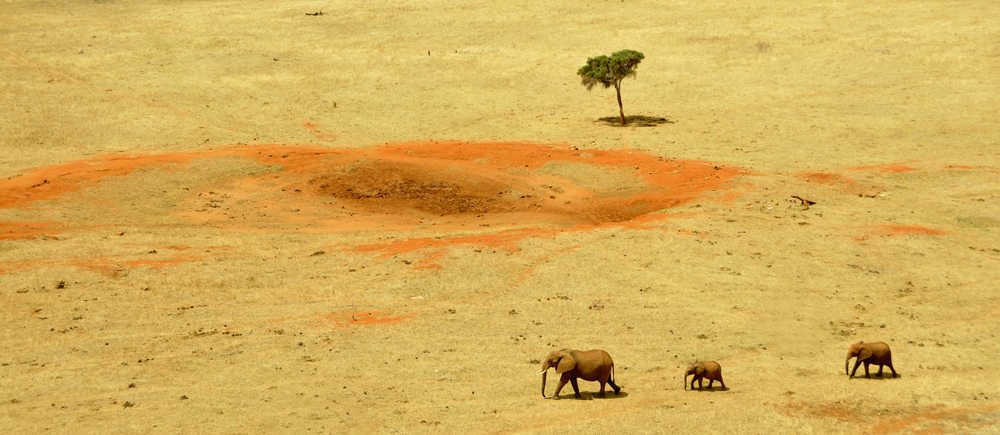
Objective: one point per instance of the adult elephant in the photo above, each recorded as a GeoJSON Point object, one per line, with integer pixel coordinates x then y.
{"type": "Point", "coordinates": [591, 365]}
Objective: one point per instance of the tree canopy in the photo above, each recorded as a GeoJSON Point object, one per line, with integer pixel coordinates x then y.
{"type": "Point", "coordinates": [610, 71]}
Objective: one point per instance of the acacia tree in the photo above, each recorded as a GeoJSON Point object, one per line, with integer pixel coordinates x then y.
{"type": "Point", "coordinates": [610, 71]}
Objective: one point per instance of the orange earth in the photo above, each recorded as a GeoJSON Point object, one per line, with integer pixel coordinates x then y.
{"type": "Point", "coordinates": [518, 190]}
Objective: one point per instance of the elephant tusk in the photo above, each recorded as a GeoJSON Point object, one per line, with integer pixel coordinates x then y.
{"type": "Point", "coordinates": [540, 372]}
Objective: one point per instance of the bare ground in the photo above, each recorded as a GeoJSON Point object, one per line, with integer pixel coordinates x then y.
{"type": "Point", "coordinates": [231, 218]}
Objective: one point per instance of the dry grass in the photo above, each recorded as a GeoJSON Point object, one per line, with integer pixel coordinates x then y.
{"type": "Point", "coordinates": [166, 323]}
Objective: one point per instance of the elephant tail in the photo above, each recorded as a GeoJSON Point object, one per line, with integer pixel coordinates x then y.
{"type": "Point", "coordinates": [611, 378]}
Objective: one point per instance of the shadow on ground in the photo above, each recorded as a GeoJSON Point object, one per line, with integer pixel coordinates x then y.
{"type": "Point", "coordinates": [877, 377]}
{"type": "Point", "coordinates": [710, 389]}
{"type": "Point", "coordinates": [635, 121]}
{"type": "Point", "coordinates": [593, 396]}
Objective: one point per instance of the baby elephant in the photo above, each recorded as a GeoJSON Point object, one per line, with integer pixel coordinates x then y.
{"type": "Point", "coordinates": [701, 370]}
{"type": "Point", "coordinates": [869, 353]}
{"type": "Point", "coordinates": [592, 365]}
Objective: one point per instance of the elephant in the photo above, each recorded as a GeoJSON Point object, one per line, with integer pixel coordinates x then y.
{"type": "Point", "coordinates": [869, 353]}
{"type": "Point", "coordinates": [592, 365]}
{"type": "Point", "coordinates": [702, 370]}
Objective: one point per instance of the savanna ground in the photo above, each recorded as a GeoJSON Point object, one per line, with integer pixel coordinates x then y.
{"type": "Point", "coordinates": [235, 217]}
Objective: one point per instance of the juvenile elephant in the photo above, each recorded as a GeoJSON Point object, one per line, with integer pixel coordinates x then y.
{"type": "Point", "coordinates": [869, 353]}
{"type": "Point", "coordinates": [702, 370]}
{"type": "Point", "coordinates": [592, 365]}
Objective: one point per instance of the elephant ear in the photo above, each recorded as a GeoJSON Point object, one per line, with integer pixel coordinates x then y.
{"type": "Point", "coordinates": [866, 352]}
{"type": "Point", "coordinates": [566, 363]}
{"type": "Point", "coordinates": [699, 369]}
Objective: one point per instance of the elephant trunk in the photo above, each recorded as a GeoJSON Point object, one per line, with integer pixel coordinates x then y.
{"type": "Point", "coordinates": [544, 372]}
{"type": "Point", "coordinates": [846, 364]}
{"type": "Point", "coordinates": [686, 381]}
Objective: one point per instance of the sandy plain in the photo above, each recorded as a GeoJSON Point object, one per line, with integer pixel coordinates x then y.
{"type": "Point", "coordinates": [237, 217]}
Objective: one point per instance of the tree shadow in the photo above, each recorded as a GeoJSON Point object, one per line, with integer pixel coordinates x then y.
{"type": "Point", "coordinates": [635, 121]}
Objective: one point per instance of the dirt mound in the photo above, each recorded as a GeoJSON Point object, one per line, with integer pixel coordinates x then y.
{"type": "Point", "coordinates": [513, 182]}
{"type": "Point", "coordinates": [392, 185]}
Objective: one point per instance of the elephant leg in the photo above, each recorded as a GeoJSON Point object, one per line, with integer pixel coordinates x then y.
{"type": "Point", "coordinates": [722, 383]}
{"type": "Point", "coordinates": [576, 388]}
{"type": "Point", "coordinates": [562, 383]}
{"type": "Point", "coordinates": [700, 385]}
{"type": "Point", "coordinates": [867, 375]}
{"type": "Point", "coordinates": [879, 374]}
{"type": "Point", "coordinates": [893, 370]}
{"type": "Point", "coordinates": [856, 364]}
{"type": "Point", "coordinates": [710, 382]}
{"type": "Point", "coordinates": [614, 387]}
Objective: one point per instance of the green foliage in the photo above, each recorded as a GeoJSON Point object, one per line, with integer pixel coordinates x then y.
{"type": "Point", "coordinates": [610, 71]}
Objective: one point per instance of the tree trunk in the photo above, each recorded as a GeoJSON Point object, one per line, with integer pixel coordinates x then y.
{"type": "Point", "coordinates": [618, 90]}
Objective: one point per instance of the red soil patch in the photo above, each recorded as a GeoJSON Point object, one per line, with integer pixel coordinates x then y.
{"type": "Point", "coordinates": [531, 269]}
{"type": "Point", "coordinates": [505, 240]}
{"type": "Point", "coordinates": [315, 128]}
{"type": "Point", "coordinates": [833, 179]}
{"type": "Point", "coordinates": [841, 182]}
{"type": "Point", "coordinates": [408, 183]}
{"type": "Point", "coordinates": [48, 183]}
{"type": "Point", "coordinates": [824, 178]}
{"type": "Point", "coordinates": [365, 318]}
{"type": "Point", "coordinates": [891, 168]}
{"type": "Point", "coordinates": [521, 181]}
{"type": "Point", "coordinates": [827, 179]}
{"type": "Point", "coordinates": [20, 265]}
{"type": "Point", "coordinates": [110, 267]}
{"type": "Point", "coordinates": [339, 320]}
{"type": "Point", "coordinates": [512, 190]}
{"type": "Point", "coordinates": [27, 230]}
{"type": "Point", "coordinates": [853, 186]}
{"type": "Point", "coordinates": [937, 421]}
{"type": "Point", "coordinates": [509, 185]}
{"type": "Point", "coordinates": [900, 230]}
{"type": "Point", "coordinates": [160, 264]}
{"type": "Point", "coordinates": [114, 268]}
